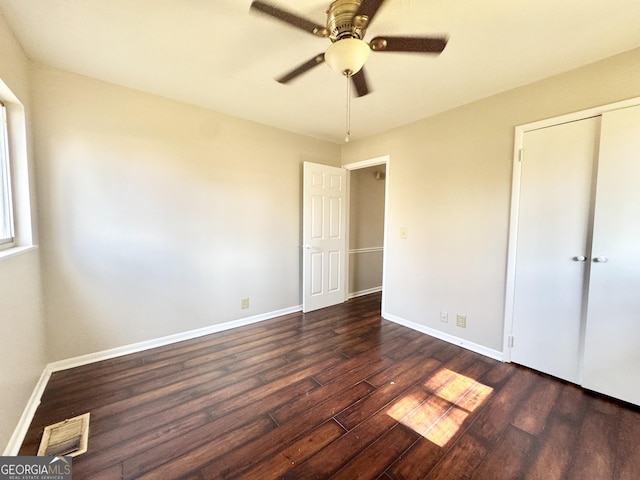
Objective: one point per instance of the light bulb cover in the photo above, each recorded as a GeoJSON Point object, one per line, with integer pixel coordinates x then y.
{"type": "Point", "coordinates": [347, 55]}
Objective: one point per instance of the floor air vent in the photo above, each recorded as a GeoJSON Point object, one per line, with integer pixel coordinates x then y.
{"type": "Point", "coordinates": [69, 437]}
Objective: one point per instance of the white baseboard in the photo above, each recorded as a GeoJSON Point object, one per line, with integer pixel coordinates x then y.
{"type": "Point", "coordinates": [21, 429]}
{"type": "Point", "coordinates": [160, 342]}
{"type": "Point", "coordinates": [15, 442]}
{"type": "Point", "coordinates": [474, 347]}
{"type": "Point", "coordinates": [364, 292]}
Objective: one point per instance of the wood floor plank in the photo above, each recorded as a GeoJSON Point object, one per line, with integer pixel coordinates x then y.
{"type": "Point", "coordinates": [339, 453]}
{"type": "Point", "coordinates": [111, 473]}
{"type": "Point", "coordinates": [386, 334]}
{"type": "Point", "coordinates": [107, 452]}
{"type": "Point", "coordinates": [499, 412]}
{"type": "Point", "coordinates": [335, 393]}
{"type": "Point", "coordinates": [143, 405]}
{"type": "Point", "coordinates": [157, 442]}
{"type": "Point", "coordinates": [554, 456]}
{"type": "Point", "coordinates": [532, 413]}
{"type": "Point", "coordinates": [594, 456]}
{"type": "Point", "coordinates": [107, 384]}
{"type": "Point", "coordinates": [305, 403]}
{"type": "Point", "coordinates": [418, 344]}
{"type": "Point", "coordinates": [138, 420]}
{"type": "Point", "coordinates": [311, 365]}
{"type": "Point", "coordinates": [419, 460]}
{"type": "Point", "coordinates": [359, 326]}
{"type": "Point", "coordinates": [295, 453]}
{"type": "Point", "coordinates": [571, 403]}
{"type": "Point", "coordinates": [389, 375]}
{"type": "Point", "coordinates": [251, 347]}
{"type": "Point", "coordinates": [434, 419]}
{"type": "Point", "coordinates": [627, 446]}
{"type": "Point", "coordinates": [497, 374]}
{"type": "Point", "coordinates": [243, 458]}
{"type": "Point", "coordinates": [356, 362]}
{"type": "Point", "coordinates": [460, 462]}
{"type": "Point", "coordinates": [442, 415]}
{"type": "Point", "coordinates": [508, 459]}
{"type": "Point", "coordinates": [63, 378]}
{"type": "Point", "coordinates": [177, 467]}
{"type": "Point", "coordinates": [385, 394]}
{"type": "Point", "coordinates": [373, 461]}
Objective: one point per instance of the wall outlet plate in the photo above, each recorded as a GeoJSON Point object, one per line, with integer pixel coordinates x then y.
{"type": "Point", "coordinates": [461, 320]}
{"type": "Point", "coordinates": [244, 303]}
{"type": "Point", "coordinates": [444, 317]}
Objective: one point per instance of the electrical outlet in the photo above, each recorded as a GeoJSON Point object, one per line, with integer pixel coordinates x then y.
{"type": "Point", "coordinates": [244, 303]}
{"type": "Point", "coordinates": [461, 320]}
{"type": "Point", "coordinates": [444, 317]}
{"type": "Point", "coordinates": [404, 233]}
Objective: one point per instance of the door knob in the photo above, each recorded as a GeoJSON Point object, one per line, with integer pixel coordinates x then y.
{"type": "Point", "coordinates": [579, 258]}
{"type": "Point", "coordinates": [601, 259]}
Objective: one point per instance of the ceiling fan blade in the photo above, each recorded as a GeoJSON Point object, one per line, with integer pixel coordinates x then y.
{"type": "Point", "coordinates": [306, 66]}
{"type": "Point", "coordinates": [408, 44]}
{"type": "Point", "coordinates": [365, 13]}
{"type": "Point", "coordinates": [360, 82]}
{"type": "Point", "coordinates": [290, 18]}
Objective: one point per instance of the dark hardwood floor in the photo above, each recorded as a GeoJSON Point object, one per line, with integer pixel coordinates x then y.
{"type": "Point", "coordinates": [338, 393]}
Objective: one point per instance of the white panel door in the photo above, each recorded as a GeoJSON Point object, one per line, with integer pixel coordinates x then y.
{"type": "Point", "coordinates": [553, 234]}
{"type": "Point", "coordinates": [324, 237]}
{"type": "Point", "coordinates": [612, 342]}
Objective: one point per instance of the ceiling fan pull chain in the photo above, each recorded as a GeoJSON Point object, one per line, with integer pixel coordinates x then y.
{"type": "Point", "coordinates": [347, 74]}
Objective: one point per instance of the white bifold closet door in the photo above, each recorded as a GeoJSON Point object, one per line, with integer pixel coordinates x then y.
{"type": "Point", "coordinates": [553, 240]}
{"type": "Point", "coordinates": [576, 302]}
{"type": "Point", "coordinates": [612, 341]}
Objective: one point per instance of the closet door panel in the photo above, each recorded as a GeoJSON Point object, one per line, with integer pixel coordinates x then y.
{"type": "Point", "coordinates": [612, 340]}
{"type": "Point", "coordinates": [554, 222]}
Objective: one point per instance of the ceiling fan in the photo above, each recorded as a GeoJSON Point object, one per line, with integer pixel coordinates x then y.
{"type": "Point", "coordinates": [346, 25]}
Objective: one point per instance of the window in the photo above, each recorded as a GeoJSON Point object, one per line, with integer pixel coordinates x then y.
{"type": "Point", "coordinates": [6, 210]}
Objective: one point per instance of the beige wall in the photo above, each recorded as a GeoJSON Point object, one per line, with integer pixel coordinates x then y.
{"type": "Point", "coordinates": [366, 228]}
{"type": "Point", "coordinates": [22, 330]}
{"type": "Point", "coordinates": [158, 217]}
{"type": "Point", "coordinates": [449, 185]}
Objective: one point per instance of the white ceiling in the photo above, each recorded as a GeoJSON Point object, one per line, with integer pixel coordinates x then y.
{"type": "Point", "coordinates": [216, 54]}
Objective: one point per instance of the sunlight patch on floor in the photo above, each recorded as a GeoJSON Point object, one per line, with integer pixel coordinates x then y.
{"type": "Point", "coordinates": [438, 416]}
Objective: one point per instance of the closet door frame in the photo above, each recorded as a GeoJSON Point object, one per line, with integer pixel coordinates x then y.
{"type": "Point", "coordinates": [520, 130]}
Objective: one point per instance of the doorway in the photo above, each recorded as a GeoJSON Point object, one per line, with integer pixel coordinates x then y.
{"type": "Point", "coordinates": [367, 202]}
{"type": "Point", "coordinates": [327, 243]}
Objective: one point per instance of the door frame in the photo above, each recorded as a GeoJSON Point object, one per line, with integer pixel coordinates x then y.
{"type": "Point", "coordinates": [512, 244]}
{"type": "Point", "coordinates": [382, 160]}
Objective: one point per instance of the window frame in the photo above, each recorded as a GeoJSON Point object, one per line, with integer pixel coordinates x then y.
{"type": "Point", "coordinates": [6, 197]}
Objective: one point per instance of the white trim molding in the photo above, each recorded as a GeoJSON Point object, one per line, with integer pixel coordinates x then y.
{"type": "Point", "coordinates": [366, 250]}
{"type": "Point", "coordinates": [162, 341]}
{"type": "Point", "coordinates": [474, 347]}
{"type": "Point", "coordinates": [14, 251]}
{"type": "Point", "coordinates": [367, 163]}
{"type": "Point", "coordinates": [21, 429]}
{"type": "Point", "coordinates": [365, 292]}
{"type": "Point", "coordinates": [17, 437]}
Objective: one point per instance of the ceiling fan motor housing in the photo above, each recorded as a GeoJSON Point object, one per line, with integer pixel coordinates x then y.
{"type": "Point", "coordinates": [341, 22]}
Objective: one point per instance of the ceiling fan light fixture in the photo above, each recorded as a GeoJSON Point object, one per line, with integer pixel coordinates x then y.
{"type": "Point", "coordinates": [347, 56]}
